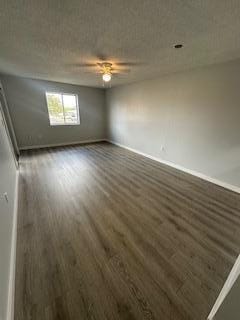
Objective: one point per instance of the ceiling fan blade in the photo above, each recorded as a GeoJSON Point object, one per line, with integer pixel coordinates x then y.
{"type": "Point", "coordinates": [89, 72]}
{"type": "Point", "coordinates": [82, 65]}
{"type": "Point", "coordinates": [119, 71]}
{"type": "Point", "coordinates": [100, 64]}
{"type": "Point", "coordinates": [86, 65]}
{"type": "Point", "coordinates": [129, 64]}
{"type": "Point", "coordinates": [93, 72]}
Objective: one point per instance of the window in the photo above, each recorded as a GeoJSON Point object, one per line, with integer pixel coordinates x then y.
{"type": "Point", "coordinates": [62, 108]}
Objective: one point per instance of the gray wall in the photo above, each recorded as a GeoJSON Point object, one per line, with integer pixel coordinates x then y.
{"type": "Point", "coordinates": [28, 109]}
{"type": "Point", "coordinates": [194, 115]}
{"type": "Point", "coordinates": [7, 184]}
{"type": "Point", "coordinates": [230, 308]}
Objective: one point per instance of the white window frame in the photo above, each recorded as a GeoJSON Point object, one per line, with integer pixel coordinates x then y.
{"type": "Point", "coordinates": [77, 106]}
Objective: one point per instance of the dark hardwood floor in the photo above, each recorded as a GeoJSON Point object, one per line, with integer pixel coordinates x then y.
{"type": "Point", "coordinates": [104, 233]}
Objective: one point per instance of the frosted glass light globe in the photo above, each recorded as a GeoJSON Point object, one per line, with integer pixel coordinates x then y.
{"type": "Point", "coordinates": [106, 77]}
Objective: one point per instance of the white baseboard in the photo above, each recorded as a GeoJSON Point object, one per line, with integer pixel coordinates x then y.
{"type": "Point", "coordinates": [11, 288]}
{"type": "Point", "coordinates": [60, 144]}
{"type": "Point", "coordinates": [179, 167]}
{"type": "Point", "coordinates": [234, 274]}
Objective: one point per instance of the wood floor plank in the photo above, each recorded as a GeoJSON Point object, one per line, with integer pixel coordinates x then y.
{"type": "Point", "coordinates": [104, 233]}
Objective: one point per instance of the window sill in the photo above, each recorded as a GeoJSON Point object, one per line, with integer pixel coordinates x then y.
{"type": "Point", "coordinates": [64, 124]}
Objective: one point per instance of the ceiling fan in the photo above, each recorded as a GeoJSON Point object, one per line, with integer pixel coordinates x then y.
{"type": "Point", "coordinates": [108, 69]}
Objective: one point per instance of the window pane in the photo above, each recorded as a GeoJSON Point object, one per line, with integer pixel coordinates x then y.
{"type": "Point", "coordinates": [70, 109]}
{"type": "Point", "coordinates": [55, 108]}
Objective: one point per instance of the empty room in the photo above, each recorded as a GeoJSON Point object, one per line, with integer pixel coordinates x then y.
{"type": "Point", "coordinates": [120, 160]}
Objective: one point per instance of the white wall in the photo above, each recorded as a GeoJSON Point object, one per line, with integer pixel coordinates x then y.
{"type": "Point", "coordinates": [8, 174]}
{"type": "Point", "coordinates": [29, 113]}
{"type": "Point", "coordinates": [194, 115]}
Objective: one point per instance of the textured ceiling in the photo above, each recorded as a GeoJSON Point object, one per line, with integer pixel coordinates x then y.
{"type": "Point", "coordinates": [51, 39]}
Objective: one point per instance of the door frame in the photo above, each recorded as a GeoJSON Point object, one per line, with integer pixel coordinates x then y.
{"type": "Point", "coordinates": [3, 119]}
{"type": "Point", "coordinates": [9, 125]}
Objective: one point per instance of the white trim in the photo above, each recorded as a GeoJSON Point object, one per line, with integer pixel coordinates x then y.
{"type": "Point", "coordinates": [14, 142]}
{"type": "Point", "coordinates": [234, 274]}
{"type": "Point", "coordinates": [11, 287]}
{"type": "Point", "coordinates": [4, 122]}
{"type": "Point", "coordinates": [179, 167]}
{"type": "Point", "coordinates": [61, 144]}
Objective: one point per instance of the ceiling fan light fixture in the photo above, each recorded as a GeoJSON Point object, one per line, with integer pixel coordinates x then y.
{"type": "Point", "coordinates": [107, 77]}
